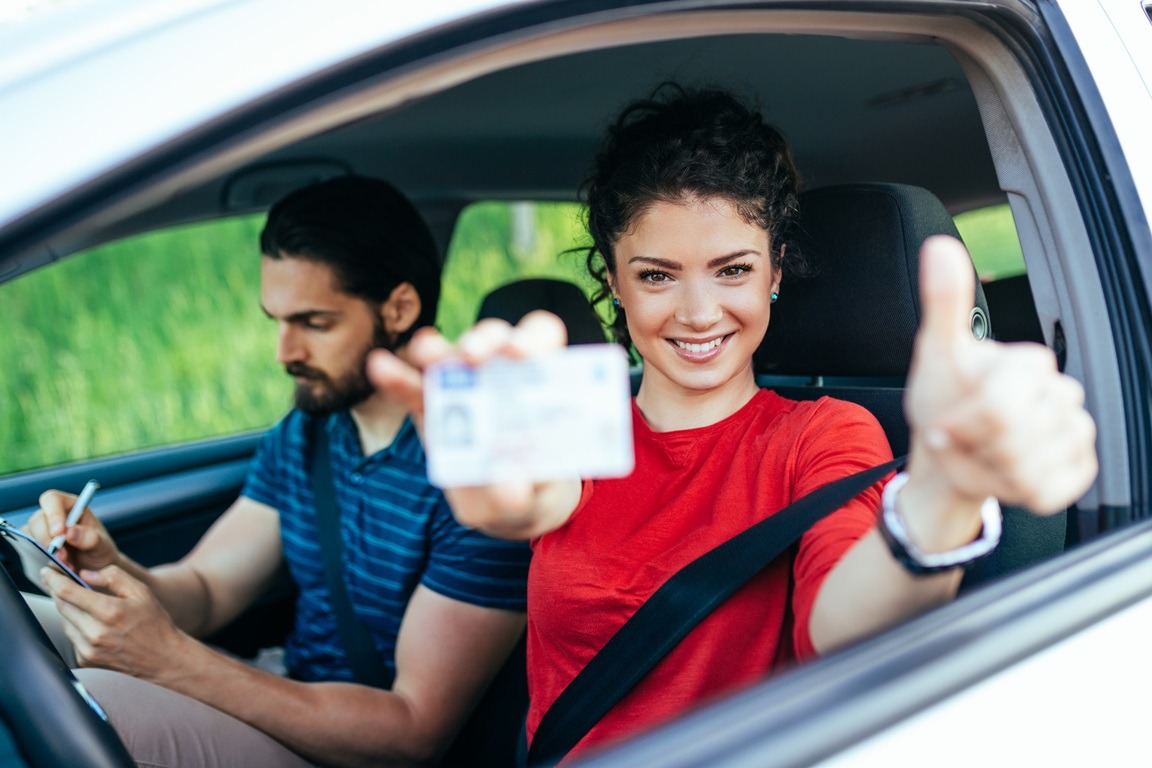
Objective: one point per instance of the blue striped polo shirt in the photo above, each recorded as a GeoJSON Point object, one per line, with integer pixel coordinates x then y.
{"type": "Point", "coordinates": [397, 529]}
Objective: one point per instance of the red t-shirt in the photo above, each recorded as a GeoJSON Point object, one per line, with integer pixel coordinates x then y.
{"type": "Point", "coordinates": [692, 489]}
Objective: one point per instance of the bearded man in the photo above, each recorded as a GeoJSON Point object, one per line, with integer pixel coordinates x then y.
{"type": "Point", "coordinates": [348, 266]}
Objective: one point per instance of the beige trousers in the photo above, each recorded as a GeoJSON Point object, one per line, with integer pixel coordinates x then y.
{"type": "Point", "coordinates": [162, 728]}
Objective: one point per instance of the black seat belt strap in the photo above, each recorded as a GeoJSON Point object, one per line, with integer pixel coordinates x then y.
{"type": "Point", "coordinates": [362, 656]}
{"type": "Point", "coordinates": [682, 602]}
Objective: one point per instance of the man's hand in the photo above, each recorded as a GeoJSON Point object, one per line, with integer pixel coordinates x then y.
{"type": "Point", "coordinates": [510, 510]}
{"type": "Point", "coordinates": [88, 544]}
{"type": "Point", "coordinates": [990, 419]}
{"type": "Point", "coordinates": [121, 627]}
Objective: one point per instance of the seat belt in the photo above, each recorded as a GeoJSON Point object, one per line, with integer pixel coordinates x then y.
{"type": "Point", "coordinates": [682, 602]}
{"type": "Point", "coordinates": [359, 649]}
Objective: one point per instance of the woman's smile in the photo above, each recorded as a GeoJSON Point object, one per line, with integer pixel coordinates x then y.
{"type": "Point", "coordinates": [701, 350]}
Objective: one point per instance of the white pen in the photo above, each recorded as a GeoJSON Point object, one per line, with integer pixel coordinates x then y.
{"type": "Point", "coordinates": [82, 501]}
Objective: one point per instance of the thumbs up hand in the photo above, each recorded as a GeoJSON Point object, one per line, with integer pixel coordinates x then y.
{"type": "Point", "coordinates": [988, 419]}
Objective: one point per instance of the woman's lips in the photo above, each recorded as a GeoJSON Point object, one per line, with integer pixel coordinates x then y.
{"type": "Point", "coordinates": [700, 351]}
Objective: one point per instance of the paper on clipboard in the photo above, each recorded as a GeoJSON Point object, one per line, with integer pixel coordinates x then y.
{"type": "Point", "coordinates": [34, 555]}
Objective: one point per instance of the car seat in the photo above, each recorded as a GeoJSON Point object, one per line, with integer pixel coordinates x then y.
{"type": "Point", "coordinates": [565, 300]}
{"type": "Point", "coordinates": [492, 734]}
{"type": "Point", "coordinates": [847, 330]}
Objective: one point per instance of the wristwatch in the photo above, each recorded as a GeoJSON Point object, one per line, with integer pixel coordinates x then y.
{"type": "Point", "coordinates": [918, 563]}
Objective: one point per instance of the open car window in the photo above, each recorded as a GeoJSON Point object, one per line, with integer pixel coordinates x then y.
{"type": "Point", "coordinates": [147, 341]}
{"type": "Point", "coordinates": [496, 242]}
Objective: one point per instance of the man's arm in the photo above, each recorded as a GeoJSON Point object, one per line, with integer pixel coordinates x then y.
{"type": "Point", "coordinates": [447, 653]}
{"type": "Point", "coordinates": [232, 565]}
{"type": "Point", "coordinates": [235, 562]}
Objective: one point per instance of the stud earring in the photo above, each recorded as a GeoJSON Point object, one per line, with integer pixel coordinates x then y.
{"type": "Point", "coordinates": [775, 296]}
{"type": "Point", "coordinates": [615, 301]}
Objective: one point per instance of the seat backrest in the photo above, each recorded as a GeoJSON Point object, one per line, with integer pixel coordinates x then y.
{"type": "Point", "coordinates": [847, 330]}
{"type": "Point", "coordinates": [565, 300]}
{"type": "Point", "coordinates": [1010, 300]}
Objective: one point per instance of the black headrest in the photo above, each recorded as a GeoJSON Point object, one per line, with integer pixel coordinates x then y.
{"type": "Point", "coordinates": [857, 313]}
{"type": "Point", "coordinates": [512, 301]}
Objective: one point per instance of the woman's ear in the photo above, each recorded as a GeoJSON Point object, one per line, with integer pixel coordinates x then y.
{"type": "Point", "coordinates": [778, 268]}
{"type": "Point", "coordinates": [401, 309]}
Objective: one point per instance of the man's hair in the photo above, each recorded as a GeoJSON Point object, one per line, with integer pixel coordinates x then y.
{"type": "Point", "coordinates": [367, 231]}
{"type": "Point", "coordinates": [680, 144]}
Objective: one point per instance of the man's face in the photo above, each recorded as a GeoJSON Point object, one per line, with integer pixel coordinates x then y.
{"type": "Point", "coordinates": [325, 335]}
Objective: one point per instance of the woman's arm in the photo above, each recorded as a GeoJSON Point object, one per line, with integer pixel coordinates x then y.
{"type": "Point", "coordinates": [987, 419]}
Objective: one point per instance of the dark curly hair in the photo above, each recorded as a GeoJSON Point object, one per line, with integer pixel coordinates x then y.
{"type": "Point", "coordinates": [681, 143]}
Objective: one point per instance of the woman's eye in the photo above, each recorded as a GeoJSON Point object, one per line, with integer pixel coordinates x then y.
{"type": "Point", "coordinates": [654, 276]}
{"type": "Point", "coordinates": [735, 270]}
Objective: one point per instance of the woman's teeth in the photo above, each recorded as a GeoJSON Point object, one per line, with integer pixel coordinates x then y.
{"type": "Point", "coordinates": [697, 348]}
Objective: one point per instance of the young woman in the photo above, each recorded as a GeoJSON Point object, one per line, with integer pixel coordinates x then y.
{"type": "Point", "coordinates": [691, 207]}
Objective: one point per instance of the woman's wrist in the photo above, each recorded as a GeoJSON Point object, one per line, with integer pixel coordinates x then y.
{"type": "Point", "coordinates": [936, 516]}
{"type": "Point", "coordinates": [920, 562]}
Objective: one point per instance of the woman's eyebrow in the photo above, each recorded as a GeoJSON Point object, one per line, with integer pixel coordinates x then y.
{"type": "Point", "coordinates": [664, 263]}
{"type": "Point", "coordinates": [720, 261]}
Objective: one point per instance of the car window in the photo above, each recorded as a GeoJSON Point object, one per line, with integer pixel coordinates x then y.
{"type": "Point", "coordinates": [496, 242]}
{"type": "Point", "coordinates": [148, 341]}
{"type": "Point", "coordinates": [990, 234]}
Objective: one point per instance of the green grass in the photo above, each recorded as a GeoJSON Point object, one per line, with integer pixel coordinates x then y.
{"type": "Point", "coordinates": [150, 341]}
{"type": "Point", "coordinates": [484, 254]}
{"type": "Point", "coordinates": [990, 234]}
{"type": "Point", "coordinates": [159, 339]}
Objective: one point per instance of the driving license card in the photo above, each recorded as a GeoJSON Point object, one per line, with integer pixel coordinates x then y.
{"type": "Point", "coordinates": [563, 415]}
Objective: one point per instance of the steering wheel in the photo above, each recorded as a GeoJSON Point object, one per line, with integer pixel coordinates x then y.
{"type": "Point", "coordinates": [43, 705]}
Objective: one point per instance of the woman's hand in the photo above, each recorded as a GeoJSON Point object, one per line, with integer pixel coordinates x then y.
{"type": "Point", "coordinates": [987, 419]}
{"type": "Point", "coordinates": [87, 544]}
{"type": "Point", "coordinates": [515, 510]}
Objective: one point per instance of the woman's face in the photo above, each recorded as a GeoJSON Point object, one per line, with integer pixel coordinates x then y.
{"type": "Point", "coordinates": [695, 281]}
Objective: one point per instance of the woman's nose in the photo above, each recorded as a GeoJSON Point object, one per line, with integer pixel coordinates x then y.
{"type": "Point", "coordinates": [699, 308]}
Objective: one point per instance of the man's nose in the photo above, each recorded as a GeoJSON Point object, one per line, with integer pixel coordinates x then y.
{"type": "Point", "coordinates": [289, 348]}
{"type": "Point", "coordinates": [699, 307]}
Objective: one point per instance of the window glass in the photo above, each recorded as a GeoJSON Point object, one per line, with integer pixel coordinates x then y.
{"type": "Point", "coordinates": [990, 234]}
{"type": "Point", "coordinates": [497, 242]}
{"type": "Point", "coordinates": [148, 341]}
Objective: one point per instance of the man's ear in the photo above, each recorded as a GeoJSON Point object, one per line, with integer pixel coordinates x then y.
{"type": "Point", "coordinates": [401, 309]}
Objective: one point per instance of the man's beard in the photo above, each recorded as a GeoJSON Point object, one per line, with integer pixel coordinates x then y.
{"type": "Point", "coordinates": [322, 395]}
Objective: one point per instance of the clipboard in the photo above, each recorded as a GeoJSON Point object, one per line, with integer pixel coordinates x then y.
{"type": "Point", "coordinates": [34, 555]}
